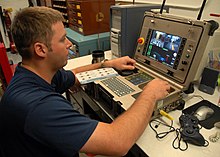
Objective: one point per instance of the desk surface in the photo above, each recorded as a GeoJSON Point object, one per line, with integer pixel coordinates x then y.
{"type": "Point", "coordinates": [154, 147]}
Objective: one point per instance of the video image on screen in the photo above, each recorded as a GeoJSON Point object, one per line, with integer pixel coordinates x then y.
{"type": "Point", "coordinates": [163, 47]}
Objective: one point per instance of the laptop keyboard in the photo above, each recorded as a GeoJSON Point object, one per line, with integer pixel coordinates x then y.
{"type": "Point", "coordinates": [117, 86]}
{"type": "Point", "coordinates": [139, 78]}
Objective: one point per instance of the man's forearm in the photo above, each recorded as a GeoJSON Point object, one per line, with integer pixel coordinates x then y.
{"type": "Point", "coordinates": [135, 119]}
{"type": "Point", "coordinates": [91, 67]}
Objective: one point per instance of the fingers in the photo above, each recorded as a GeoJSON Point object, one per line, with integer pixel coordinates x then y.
{"type": "Point", "coordinates": [167, 87]}
{"type": "Point", "coordinates": [159, 88]}
{"type": "Point", "coordinates": [129, 67]}
{"type": "Point", "coordinates": [129, 63]}
{"type": "Point", "coordinates": [124, 63]}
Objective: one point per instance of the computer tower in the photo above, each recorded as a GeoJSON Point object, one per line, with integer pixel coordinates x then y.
{"type": "Point", "coordinates": [89, 16]}
{"type": "Point", "coordinates": [126, 22]}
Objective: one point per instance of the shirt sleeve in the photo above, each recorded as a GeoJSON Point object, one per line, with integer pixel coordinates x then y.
{"type": "Point", "coordinates": [63, 80]}
{"type": "Point", "coordinates": [54, 123]}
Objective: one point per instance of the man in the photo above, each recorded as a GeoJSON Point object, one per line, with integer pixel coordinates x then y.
{"type": "Point", "coordinates": [36, 120]}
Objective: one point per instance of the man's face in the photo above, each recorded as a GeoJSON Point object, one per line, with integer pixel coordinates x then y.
{"type": "Point", "coordinates": [57, 58]}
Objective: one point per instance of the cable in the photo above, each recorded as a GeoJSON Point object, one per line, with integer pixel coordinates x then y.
{"type": "Point", "coordinates": [179, 138]}
{"type": "Point", "coordinates": [161, 134]}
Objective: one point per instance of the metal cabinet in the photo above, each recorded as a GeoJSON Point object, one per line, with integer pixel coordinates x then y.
{"type": "Point", "coordinates": [84, 45]}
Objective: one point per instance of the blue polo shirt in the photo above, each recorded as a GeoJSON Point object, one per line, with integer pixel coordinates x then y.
{"type": "Point", "coordinates": [37, 121]}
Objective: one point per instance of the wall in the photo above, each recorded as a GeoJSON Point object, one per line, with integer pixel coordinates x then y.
{"type": "Point", "coordinates": [15, 5]}
{"type": "Point", "coordinates": [186, 8]}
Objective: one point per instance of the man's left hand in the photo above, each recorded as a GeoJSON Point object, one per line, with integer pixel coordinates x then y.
{"type": "Point", "coordinates": [123, 63]}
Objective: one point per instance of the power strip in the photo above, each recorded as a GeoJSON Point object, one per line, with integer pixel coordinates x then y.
{"type": "Point", "coordinates": [93, 75]}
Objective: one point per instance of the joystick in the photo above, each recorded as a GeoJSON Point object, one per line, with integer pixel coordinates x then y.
{"type": "Point", "coordinates": [190, 130]}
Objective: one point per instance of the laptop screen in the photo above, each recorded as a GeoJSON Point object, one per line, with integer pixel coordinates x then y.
{"type": "Point", "coordinates": [163, 48]}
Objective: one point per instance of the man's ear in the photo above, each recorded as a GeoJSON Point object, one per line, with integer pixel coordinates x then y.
{"type": "Point", "coordinates": [40, 49]}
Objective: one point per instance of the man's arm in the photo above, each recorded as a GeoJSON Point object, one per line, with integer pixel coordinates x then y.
{"type": "Point", "coordinates": [118, 63]}
{"type": "Point", "coordinates": [119, 136]}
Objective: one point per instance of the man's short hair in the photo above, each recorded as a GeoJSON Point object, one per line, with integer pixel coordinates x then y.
{"type": "Point", "coordinates": [31, 25]}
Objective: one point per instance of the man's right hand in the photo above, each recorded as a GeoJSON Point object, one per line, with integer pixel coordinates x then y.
{"type": "Point", "coordinates": [157, 89]}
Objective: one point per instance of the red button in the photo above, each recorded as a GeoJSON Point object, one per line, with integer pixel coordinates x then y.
{"type": "Point", "coordinates": [141, 40]}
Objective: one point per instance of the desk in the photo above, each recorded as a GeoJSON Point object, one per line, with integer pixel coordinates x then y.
{"type": "Point", "coordinates": [147, 142]}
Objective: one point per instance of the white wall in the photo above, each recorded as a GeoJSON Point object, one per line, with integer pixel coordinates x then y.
{"type": "Point", "coordinates": [187, 8]}
{"type": "Point", "coordinates": [15, 5]}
